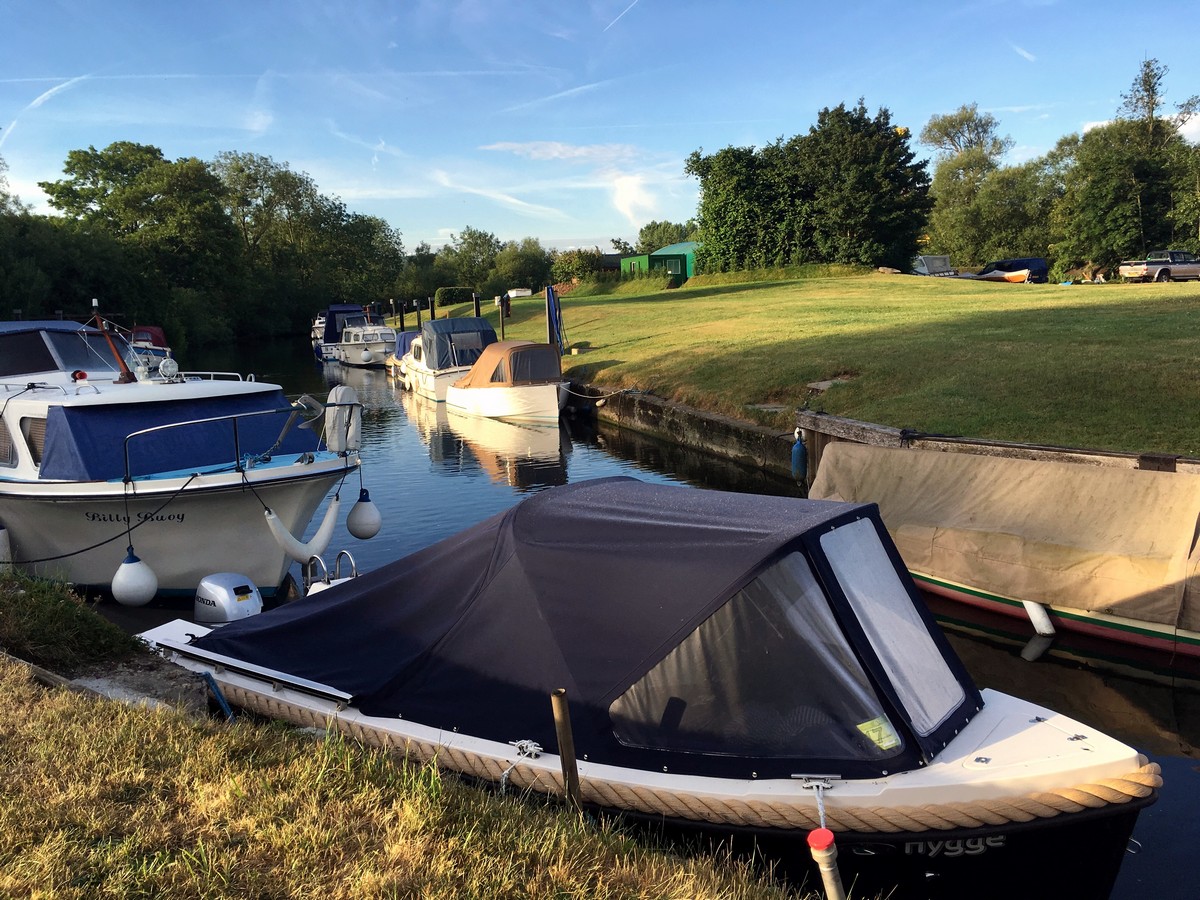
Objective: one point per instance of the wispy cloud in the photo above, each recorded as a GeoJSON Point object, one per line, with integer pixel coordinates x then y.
{"type": "Point", "coordinates": [632, 198]}
{"type": "Point", "coordinates": [1023, 53]}
{"type": "Point", "coordinates": [561, 95]}
{"type": "Point", "coordinates": [39, 100]}
{"type": "Point", "coordinates": [602, 154]}
{"type": "Point", "coordinates": [506, 200]}
{"type": "Point", "coordinates": [618, 18]}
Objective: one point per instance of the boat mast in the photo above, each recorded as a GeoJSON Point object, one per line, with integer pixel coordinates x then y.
{"type": "Point", "coordinates": [126, 376]}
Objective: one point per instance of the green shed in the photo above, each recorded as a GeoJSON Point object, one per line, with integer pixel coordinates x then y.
{"type": "Point", "coordinates": [631, 265]}
{"type": "Point", "coordinates": [677, 259]}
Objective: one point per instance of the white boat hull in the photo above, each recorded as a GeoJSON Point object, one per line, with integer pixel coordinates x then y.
{"type": "Point", "coordinates": [526, 402]}
{"type": "Point", "coordinates": [430, 384]}
{"type": "Point", "coordinates": [366, 354]}
{"type": "Point", "coordinates": [77, 532]}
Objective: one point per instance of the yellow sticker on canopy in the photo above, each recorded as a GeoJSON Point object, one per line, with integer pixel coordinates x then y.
{"type": "Point", "coordinates": [880, 732]}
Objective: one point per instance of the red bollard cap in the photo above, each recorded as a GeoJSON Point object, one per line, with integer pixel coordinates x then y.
{"type": "Point", "coordinates": [820, 839]}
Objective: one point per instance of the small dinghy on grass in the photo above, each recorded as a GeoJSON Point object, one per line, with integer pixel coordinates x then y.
{"type": "Point", "coordinates": [732, 661]}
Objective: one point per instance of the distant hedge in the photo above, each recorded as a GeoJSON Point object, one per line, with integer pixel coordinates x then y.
{"type": "Point", "coordinates": [450, 296]}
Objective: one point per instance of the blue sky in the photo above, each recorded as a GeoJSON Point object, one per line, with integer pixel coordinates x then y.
{"type": "Point", "coordinates": [564, 120]}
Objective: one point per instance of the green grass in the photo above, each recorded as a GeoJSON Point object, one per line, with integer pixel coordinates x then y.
{"type": "Point", "coordinates": [44, 623]}
{"type": "Point", "coordinates": [102, 799]}
{"type": "Point", "coordinates": [1098, 366]}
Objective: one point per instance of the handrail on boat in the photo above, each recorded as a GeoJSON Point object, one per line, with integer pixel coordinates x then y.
{"type": "Point", "coordinates": [237, 447]}
{"type": "Point", "coordinates": [214, 376]}
{"type": "Point", "coordinates": [291, 411]}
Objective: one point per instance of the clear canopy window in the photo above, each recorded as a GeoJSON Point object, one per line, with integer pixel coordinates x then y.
{"type": "Point", "coordinates": [769, 674]}
{"type": "Point", "coordinates": [899, 636]}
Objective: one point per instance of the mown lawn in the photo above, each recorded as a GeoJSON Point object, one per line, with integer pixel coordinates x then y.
{"type": "Point", "coordinates": [1100, 366]}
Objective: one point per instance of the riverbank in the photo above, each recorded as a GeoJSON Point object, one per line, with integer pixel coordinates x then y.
{"type": "Point", "coordinates": [150, 797]}
{"type": "Point", "coordinates": [1107, 367]}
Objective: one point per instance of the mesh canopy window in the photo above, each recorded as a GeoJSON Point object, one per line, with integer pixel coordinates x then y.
{"type": "Point", "coordinates": [769, 674]}
{"type": "Point", "coordinates": [899, 636]}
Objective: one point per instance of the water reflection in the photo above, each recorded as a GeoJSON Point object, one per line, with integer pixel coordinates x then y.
{"type": "Point", "coordinates": [522, 456]}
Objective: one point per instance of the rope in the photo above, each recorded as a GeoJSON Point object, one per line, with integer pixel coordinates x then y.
{"type": "Point", "coordinates": [729, 811]}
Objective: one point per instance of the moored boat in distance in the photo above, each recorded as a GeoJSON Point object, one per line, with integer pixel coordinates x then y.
{"type": "Point", "coordinates": [365, 342]}
{"type": "Point", "coordinates": [200, 472]}
{"type": "Point", "coordinates": [518, 380]}
{"type": "Point", "coordinates": [444, 352]}
{"type": "Point", "coordinates": [732, 662]}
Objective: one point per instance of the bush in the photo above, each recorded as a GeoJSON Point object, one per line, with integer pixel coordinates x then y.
{"type": "Point", "coordinates": [452, 296]}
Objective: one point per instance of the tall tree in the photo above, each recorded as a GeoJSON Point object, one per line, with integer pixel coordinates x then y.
{"type": "Point", "coordinates": [473, 253]}
{"type": "Point", "coordinates": [873, 195]}
{"type": "Point", "coordinates": [656, 235]}
{"type": "Point", "coordinates": [964, 130]}
{"type": "Point", "coordinates": [970, 149]}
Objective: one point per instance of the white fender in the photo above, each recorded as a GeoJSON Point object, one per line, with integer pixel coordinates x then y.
{"type": "Point", "coordinates": [343, 420]}
{"type": "Point", "coordinates": [298, 550]}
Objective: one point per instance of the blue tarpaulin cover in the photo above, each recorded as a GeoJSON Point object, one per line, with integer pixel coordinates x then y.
{"type": "Point", "coordinates": [88, 443]}
{"type": "Point", "coordinates": [456, 342]}
{"type": "Point", "coordinates": [586, 587]}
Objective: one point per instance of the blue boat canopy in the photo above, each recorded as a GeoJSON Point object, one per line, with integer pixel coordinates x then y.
{"type": "Point", "coordinates": [88, 443]}
{"type": "Point", "coordinates": [694, 631]}
{"type": "Point", "coordinates": [449, 343]}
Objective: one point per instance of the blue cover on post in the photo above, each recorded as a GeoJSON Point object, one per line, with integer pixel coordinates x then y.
{"type": "Point", "coordinates": [88, 443]}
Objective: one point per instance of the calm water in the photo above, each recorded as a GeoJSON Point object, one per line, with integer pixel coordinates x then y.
{"type": "Point", "coordinates": [433, 473]}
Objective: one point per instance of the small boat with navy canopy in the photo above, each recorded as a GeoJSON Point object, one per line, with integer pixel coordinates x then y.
{"type": "Point", "coordinates": [444, 352]}
{"type": "Point", "coordinates": [732, 661]}
{"type": "Point", "coordinates": [199, 472]}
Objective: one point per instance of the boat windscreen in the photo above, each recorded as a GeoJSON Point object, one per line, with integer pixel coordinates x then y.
{"type": "Point", "coordinates": [769, 674]}
{"type": "Point", "coordinates": [899, 636]}
{"type": "Point", "coordinates": [87, 351]}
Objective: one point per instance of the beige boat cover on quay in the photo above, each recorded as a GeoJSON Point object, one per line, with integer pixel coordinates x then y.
{"type": "Point", "coordinates": [1118, 541]}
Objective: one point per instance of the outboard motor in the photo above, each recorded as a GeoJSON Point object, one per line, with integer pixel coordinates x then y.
{"type": "Point", "coordinates": [225, 597]}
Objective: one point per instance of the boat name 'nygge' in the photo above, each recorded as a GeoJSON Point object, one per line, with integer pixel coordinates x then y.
{"type": "Point", "coordinates": [141, 517]}
{"type": "Point", "coordinates": [968, 847]}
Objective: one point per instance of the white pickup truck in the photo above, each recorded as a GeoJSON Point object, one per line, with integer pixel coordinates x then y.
{"type": "Point", "coordinates": [1162, 265]}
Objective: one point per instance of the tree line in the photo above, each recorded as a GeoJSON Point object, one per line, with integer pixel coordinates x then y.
{"type": "Point", "coordinates": [241, 246]}
{"type": "Point", "coordinates": [851, 191]}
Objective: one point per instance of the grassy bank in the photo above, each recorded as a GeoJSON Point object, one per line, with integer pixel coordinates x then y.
{"type": "Point", "coordinates": [1100, 366]}
{"type": "Point", "coordinates": [105, 799]}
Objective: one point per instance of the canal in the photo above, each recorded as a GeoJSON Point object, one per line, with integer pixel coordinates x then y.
{"type": "Point", "coordinates": [432, 473]}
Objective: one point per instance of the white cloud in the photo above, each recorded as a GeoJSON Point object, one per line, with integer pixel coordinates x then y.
{"type": "Point", "coordinates": [632, 199]}
{"type": "Point", "coordinates": [506, 200]}
{"type": "Point", "coordinates": [603, 154]}
{"type": "Point", "coordinates": [1023, 53]}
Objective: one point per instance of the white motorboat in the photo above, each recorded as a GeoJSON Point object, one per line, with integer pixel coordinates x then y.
{"type": "Point", "coordinates": [365, 342]}
{"type": "Point", "coordinates": [149, 343]}
{"type": "Point", "coordinates": [444, 352]}
{"type": "Point", "coordinates": [732, 661]}
{"type": "Point", "coordinates": [517, 380]}
{"type": "Point", "coordinates": [188, 474]}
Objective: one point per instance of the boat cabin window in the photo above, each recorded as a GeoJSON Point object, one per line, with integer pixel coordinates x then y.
{"type": "Point", "coordinates": [87, 351]}
{"type": "Point", "coordinates": [769, 674]}
{"type": "Point", "coordinates": [8, 453]}
{"type": "Point", "coordinates": [535, 365]}
{"type": "Point", "coordinates": [24, 353]}
{"type": "Point", "coordinates": [898, 634]}
{"type": "Point", "coordinates": [500, 373]}
{"type": "Point", "coordinates": [465, 347]}
{"type": "Point", "coordinates": [34, 431]}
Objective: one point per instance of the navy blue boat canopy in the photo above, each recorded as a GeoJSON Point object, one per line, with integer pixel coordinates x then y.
{"type": "Point", "coordinates": [449, 343]}
{"type": "Point", "coordinates": [87, 443]}
{"type": "Point", "coordinates": [707, 632]}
